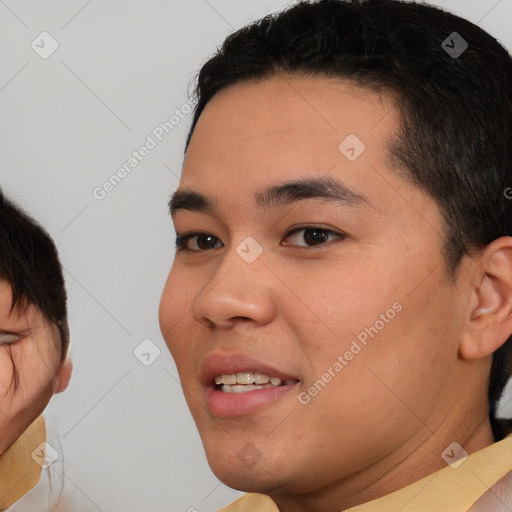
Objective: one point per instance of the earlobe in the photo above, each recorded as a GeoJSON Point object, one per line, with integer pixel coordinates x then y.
{"type": "Point", "coordinates": [63, 376]}
{"type": "Point", "coordinates": [490, 322]}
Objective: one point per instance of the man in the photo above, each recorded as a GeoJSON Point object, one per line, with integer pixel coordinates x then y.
{"type": "Point", "coordinates": [339, 307]}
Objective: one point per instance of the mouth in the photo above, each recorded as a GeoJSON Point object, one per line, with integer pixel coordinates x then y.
{"type": "Point", "coordinates": [238, 385]}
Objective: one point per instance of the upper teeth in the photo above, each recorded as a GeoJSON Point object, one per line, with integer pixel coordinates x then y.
{"type": "Point", "coordinates": [246, 378]}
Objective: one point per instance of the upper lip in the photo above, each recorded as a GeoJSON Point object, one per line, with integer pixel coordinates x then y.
{"type": "Point", "coordinates": [228, 364]}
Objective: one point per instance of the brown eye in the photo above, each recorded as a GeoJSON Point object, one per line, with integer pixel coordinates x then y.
{"type": "Point", "coordinates": [313, 235]}
{"type": "Point", "coordinates": [203, 242]}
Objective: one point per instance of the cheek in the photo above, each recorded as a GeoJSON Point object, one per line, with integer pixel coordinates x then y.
{"type": "Point", "coordinates": [359, 326]}
{"type": "Point", "coordinates": [37, 362]}
{"type": "Point", "coordinates": [407, 354]}
{"type": "Point", "coordinates": [330, 308]}
{"type": "Point", "coordinates": [175, 310]}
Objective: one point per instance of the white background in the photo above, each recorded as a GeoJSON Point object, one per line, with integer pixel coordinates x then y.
{"type": "Point", "coordinates": [68, 123]}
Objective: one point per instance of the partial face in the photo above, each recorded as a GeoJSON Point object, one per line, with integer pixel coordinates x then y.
{"type": "Point", "coordinates": [30, 353]}
{"type": "Point", "coordinates": [302, 319]}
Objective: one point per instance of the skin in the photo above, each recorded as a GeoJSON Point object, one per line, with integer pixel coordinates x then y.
{"type": "Point", "coordinates": [32, 345]}
{"type": "Point", "coordinates": [417, 386]}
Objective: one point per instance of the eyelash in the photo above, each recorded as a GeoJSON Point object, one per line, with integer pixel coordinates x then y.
{"type": "Point", "coordinates": [181, 240]}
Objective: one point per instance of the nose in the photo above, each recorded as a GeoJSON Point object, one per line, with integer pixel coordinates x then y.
{"type": "Point", "coordinates": [238, 292]}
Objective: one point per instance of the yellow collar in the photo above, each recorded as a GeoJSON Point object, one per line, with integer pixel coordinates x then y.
{"type": "Point", "coordinates": [19, 472]}
{"type": "Point", "coordinates": [447, 489]}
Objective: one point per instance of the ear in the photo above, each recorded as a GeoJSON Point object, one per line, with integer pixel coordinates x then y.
{"type": "Point", "coordinates": [490, 322]}
{"type": "Point", "coordinates": [63, 376]}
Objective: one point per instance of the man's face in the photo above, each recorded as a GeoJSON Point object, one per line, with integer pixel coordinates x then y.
{"type": "Point", "coordinates": [30, 349]}
{"type": "Point", "coordinates": [346, 300]}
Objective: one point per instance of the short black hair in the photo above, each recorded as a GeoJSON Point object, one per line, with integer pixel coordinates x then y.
{"type": "Point", "coordinates": [29, 262]}
{"type": "Point", "coordinates": [455, 140]}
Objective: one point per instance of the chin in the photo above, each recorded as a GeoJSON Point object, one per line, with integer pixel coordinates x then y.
{"type": "Point", "coordinates": [244, 479]}
{"type": "Point", "coordinates": [241, 466]}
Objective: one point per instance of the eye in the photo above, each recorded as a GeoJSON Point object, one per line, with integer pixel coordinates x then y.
{"type": "Point", "coordinates": [8, 337]}
{"type": "Point", "coordinates": [202, 240]}
{"type": "Point", "coordinates": [313, 235]}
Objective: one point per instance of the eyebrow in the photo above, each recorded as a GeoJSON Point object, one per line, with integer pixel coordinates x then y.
{"type": "Point", "coordinates": [282, 194]}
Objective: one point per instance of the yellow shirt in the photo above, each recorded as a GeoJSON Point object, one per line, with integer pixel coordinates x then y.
{"type": "Point", "coordinates": [447, 490]}
{"type": "Point", "coordinates": [19, 473]}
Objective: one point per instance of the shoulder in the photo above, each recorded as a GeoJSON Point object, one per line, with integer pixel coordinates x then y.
{"type": "Point", "coordinates": [498, 498]}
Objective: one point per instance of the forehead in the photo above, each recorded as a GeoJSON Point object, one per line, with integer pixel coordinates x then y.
{"type": "Point", "coordinates": [255, 134]}
{"type": "Point", "coordinates": [288, 125]}
{"type": "Point", "coordinates": [14, 317]}
{"type": "Point", "coordinates": [5, 298]}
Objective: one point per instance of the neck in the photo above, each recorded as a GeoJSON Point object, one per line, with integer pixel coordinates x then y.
{"type": "Point", "coordinates": [19, 472]}
{"type": "Point", "coordinates": [389, 475]}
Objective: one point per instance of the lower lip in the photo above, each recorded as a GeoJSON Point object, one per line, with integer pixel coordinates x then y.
{"type": "Point", "coordinates": [228, 405]}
